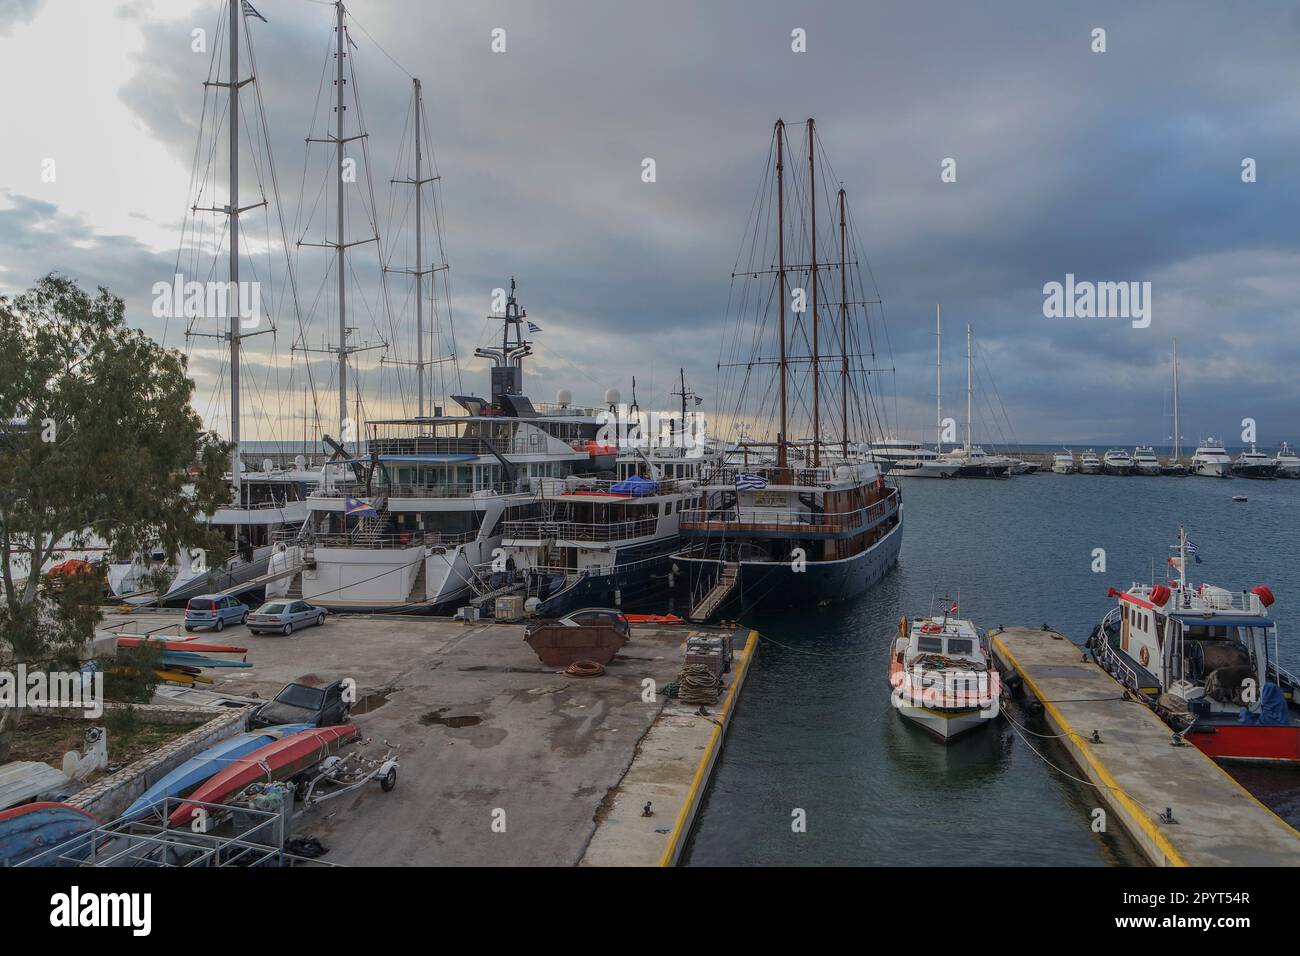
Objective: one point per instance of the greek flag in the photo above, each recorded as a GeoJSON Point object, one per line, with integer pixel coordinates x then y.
{"type": "Point", "coordinates": [1193, 550]}
{"type": "Point", "coordinates": [746, 482]}
{"type": "Point", "coordinates": [533, 326]}
{"type": "Point", "coordinates": [250, 11]}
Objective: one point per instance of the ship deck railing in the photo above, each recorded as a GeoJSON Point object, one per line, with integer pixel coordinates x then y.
{"type": "Point", "coordinates": [765, 519]}
{"type": "Point", "coordinates": [822, 477]}
{"type": "Point", "coordinates": [580, 531]}
{"type": "Point", "coordinates": [407, 489]}
{"type": "Point", "coordinates": [362, 539]}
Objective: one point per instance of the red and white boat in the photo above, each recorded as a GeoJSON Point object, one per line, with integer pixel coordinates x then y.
{"type": "Point", "coordinates": [943, 675]}
{"type": "Point", "coordinates": [1206, 660]}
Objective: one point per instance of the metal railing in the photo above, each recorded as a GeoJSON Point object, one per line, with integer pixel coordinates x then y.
{"type": "Point", "coordinates": [408, 489]}
{"type": "Point", "coordinates": [367, 539]}
{"type": "Point", "coordinates": [829, 521]}
{"type": "Point", "coordinates": [581, 531]}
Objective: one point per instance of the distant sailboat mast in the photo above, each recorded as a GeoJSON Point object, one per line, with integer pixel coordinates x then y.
{"type": "Point", "coordinates": [780, 242]}
{"type": "Point", "coordinates": [968, 388]}
{"type": "Point", "coordinates": [1178, 448]}
{"type": "Point", "coordinates": [938, 383]}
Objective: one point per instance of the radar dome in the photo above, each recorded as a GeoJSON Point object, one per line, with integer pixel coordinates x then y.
{"type": "Point", "coordinates": [612, 396]}
{"type": "Point", "coordinates": [564, 398]}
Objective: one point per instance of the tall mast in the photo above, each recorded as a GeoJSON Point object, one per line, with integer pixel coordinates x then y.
{"type": "Point", "coordinates": [780, 242]}
{"type": "Point", "coordinates": [340, 52]}
{"type": "Point", "coordinates": [938, 383]}
{"type": "Point", "coordinates": [419, 265]}
{"type": "Point", "coordinates": [968, 388]}
{"type": "Point", "coordinates": [1178, 449]}
{"type": "Point", "coordinates": [232, 296]}
{"type": "Point", "coordinates": [816, 357]}
{"type": "Point", "coordinates": [844, 338]}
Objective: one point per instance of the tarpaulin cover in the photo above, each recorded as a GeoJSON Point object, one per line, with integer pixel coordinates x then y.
{"type": "Point", "coordinates": [1272, 708]}
{"type": "Point", "coordinates": [636, 485]}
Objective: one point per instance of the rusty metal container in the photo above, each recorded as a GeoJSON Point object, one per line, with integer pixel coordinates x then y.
{"type": "Point", "coordinates": [558, 645]}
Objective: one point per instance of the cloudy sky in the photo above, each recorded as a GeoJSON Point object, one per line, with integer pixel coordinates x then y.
{"type": "Point", "coordinates": [1123, 165]}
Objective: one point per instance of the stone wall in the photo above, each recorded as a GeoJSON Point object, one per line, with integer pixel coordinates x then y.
{"type": "Point", "coordinates": [109, 796]}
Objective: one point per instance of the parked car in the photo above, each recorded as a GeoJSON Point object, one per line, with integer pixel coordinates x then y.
{"type": "Point", "coordinates": [597, 615]}
{"type": "Point", "coordinates": [214, 611]}
{"type": "Point", "coordinates": [305, 701]}
{"type": "Point", "coordinates": [285, 615]}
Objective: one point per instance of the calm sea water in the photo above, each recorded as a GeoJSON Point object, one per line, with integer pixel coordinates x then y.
{"type": "Point", "coordinates": [815, 730]}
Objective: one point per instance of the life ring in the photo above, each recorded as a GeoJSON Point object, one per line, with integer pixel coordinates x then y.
{"type": "Point", "coordinates": [1143, 656]}
{"type": "Point", "coordinates": [929, 627]}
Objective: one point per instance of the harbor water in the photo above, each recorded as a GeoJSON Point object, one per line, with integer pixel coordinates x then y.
{"type": "Point", "coordinates": [815, 740]}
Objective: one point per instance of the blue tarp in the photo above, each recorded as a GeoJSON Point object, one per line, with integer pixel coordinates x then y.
{"type": "Point", "coordinates": [1272, 708]}
{"type": "Point", "coordinates": [636, 485]}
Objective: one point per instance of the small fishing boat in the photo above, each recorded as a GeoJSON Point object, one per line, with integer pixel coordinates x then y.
{"type": "Point", "coordinates": [204, 765]}
{"type": "Point", "coordinates": [278, 760]}
{"type": "Point", "coordinates": [943, 675]}
{"type": "Point", "coordinates": [33, 828]}
{"type": "Point", "coordinates": [1239, 498]}
{"type": "Point", "coordinates": [1205, 659]}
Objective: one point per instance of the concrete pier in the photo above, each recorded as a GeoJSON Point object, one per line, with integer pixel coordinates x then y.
{"type": "Point", "coordinates": [504, 761]}
{"type": "Point", "coordinates": [1136, 770]}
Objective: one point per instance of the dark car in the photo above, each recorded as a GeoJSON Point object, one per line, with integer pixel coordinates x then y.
{"type": "Point", "coordinates": [305, 702]}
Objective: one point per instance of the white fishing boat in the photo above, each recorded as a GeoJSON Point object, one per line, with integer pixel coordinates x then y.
{"type": "Point", "coordinates": [1063, 463]}
{"type": "Point", "coordinates": [1211, 460]}
{"type": "Point", "coordinates": [943, 675]}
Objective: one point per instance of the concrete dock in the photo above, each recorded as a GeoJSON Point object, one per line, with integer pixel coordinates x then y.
{"type": "Point", "coordinates": [504, 761]}
{"type": "Point", "coordinates": [1136, 771]}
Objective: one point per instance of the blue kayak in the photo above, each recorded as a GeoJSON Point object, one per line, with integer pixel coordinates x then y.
{"type": "Point", "coordinates": [34, 828]}
{"type": "Point", "coordinates": [192, 659]}
{"type": "Point", "coordinates": [202, 766]}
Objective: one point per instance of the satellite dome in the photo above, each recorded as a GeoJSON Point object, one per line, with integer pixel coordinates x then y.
{"type": "Point", "coordinates": [612, 396]}
{"type": "Point", "coordinates": [300, 462]}
{"type": "Point", "coordinates": [563, 398]}
{"type": "Point", "coordinates": [267, 464]}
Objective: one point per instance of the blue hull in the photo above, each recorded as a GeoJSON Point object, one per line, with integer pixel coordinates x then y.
{"type": "Point", "coordinates": [26, 832]}
{"type": "Point", "coordinates": [638, 582]}
{"type": "Point", "coordinates": [764, 585]}
{"type": "Point", "coordinates": [202, 766]}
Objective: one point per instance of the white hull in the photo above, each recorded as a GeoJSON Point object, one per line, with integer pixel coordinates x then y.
{"type": "Point", "coordinates": [1288, 469]}
{"type": "Point", "coordinates": [924, 469]}
{"type": "Point", "coordinates": [949, 724]}
{"type": "Point", "coordinates": [388, 579]}
{"type": "Point", "coordinates": [1212, 469]}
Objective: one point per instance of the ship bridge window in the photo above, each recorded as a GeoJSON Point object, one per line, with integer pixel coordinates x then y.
{"type": "Point", "coordinates": [930, 645]}
{"type": "Point", "coordinates": [960, 645]}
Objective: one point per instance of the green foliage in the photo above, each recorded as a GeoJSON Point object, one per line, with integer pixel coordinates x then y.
{"type": "Point", "coordinates": [130, 676]}
{"type": "Point", "coordinates": [96, 436]}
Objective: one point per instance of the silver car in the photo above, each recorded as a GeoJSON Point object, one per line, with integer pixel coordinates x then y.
{"type": "Point", "coordinates": [284, 616]}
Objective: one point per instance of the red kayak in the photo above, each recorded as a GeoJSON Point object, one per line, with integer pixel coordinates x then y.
{"type": "Point", "coordinates": [278, 760]}
{"type": "Point", "coordinates": [653, 619]}
{"type": "Point", "coordinates": [182, 646]}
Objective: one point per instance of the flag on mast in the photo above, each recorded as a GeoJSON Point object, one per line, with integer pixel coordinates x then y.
{"type": "Point", "coordinates": [251, 11]}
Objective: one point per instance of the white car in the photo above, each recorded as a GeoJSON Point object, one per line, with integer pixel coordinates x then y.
{"type": "Point", "coordinates": [284, 616]}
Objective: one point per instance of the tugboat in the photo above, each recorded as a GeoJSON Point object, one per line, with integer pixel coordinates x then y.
{"type": "Point", "coordinates": [1254, 464]}
{"type": "Point", "coordinates": [1089, 463]}
{"type": "Point", "coordinates": [1205, 660]}
{"type": "Point", "coordinates": [943, 674]}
